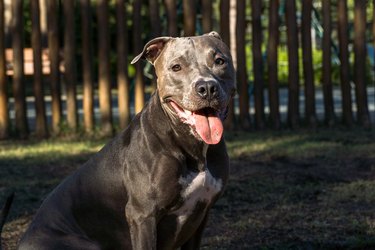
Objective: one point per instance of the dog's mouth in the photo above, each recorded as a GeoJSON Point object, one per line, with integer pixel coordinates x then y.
{"type": "Point", "coordinates": [205, 122]}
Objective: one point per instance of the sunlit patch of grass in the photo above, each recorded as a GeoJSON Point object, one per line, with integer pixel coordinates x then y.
{"type": "Point", "coordinates": [45, 151]}
{"type": "Point", "coordinates": [302, 144]}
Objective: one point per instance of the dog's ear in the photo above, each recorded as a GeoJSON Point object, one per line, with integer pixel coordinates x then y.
{"type": "Point", "coordinates": [214, 34]}
{"type": "Point", "coordinates": [152, 49]}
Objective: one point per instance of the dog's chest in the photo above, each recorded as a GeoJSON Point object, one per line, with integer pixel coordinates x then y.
{"type": "Point", "coordinates": [198, 191]}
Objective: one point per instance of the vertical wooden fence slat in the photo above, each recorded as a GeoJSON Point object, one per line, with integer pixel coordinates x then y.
{"type": "Point", "coordinates": [122, 65]}
{"type": "Point", "coordinates": [256, 11]}
{"type": "Point", "coordinates": [342, 25]}
{"type": "Point", "coordinates": [360, 62]}
{"type": "Point", "coordinates": [273, 42]}
{"type": "Point", "coordinates": [105, 100]}
{"type": "Point", "coordinates": [87, 74]}
{"type": "Point", "coordinates": [18, 78]}
{"type": "Point", "coordinates": [206, 16]}
{"type": "Point", "coordinates": [224, 33]}
{"type": "Point", "coordinates": [308, 72]}
{"type": "Point", "coordinates": [293, 65]}
{"type": "Point", "coordinates": [241, 65]}
{"type": "Point", "coordinates": [171, 9]}
{"type": "Point", "coordinates": [36, 40]}
{"type": "Point", "coordinates": [189, 7]}
{"type": "Point", "coordinates": [155, 28]}
{"type": "Point", "coordinates": [137, 48]}
{"type": "Point", "coordinates": [373, 28]}
{"type": "Point", "coordinates": [154, 18]}
{"type": "Point", "coordinates": [53, 47]}
{"type": "Point", "coordinates": [4, 115]}
{"type": "Point", "coordinates": [327, 67]}
{"type": "Point", "coordinates": [224, 21]}
{"type": "Point", "coordinates": [70, 66]}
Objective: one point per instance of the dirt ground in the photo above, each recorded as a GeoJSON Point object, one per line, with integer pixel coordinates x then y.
{"type": "Point", "coordinates": [305, 192]}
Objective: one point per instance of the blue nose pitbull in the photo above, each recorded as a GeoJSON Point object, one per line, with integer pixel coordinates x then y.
{"type": "Point", "coordinates": [152, 186]}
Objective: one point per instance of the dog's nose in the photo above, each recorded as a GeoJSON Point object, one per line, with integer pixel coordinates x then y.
{"type": "Point", "coordinates": [207, 89]}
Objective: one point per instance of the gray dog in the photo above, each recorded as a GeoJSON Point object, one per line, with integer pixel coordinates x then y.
{"type": "Point", "coordinates": [152, 186]}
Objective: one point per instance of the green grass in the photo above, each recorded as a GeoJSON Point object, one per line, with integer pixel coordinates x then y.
{"type": "Point", "coordinates": [287, 190]}
{"type": "Point", "coordinates": [46, 151]}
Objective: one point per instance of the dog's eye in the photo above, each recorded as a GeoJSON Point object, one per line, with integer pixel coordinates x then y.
{"type": "Point", "coordinates": [219, 61]}
{"type": "Point", "coordinates": [176, 67]}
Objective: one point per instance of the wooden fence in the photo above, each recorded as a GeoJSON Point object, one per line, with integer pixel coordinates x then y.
{"type": "Point", "coordinates": [89, 44]}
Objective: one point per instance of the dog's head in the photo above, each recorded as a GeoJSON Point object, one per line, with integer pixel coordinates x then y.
{"type": "Point", "coordinates": [196, 80]}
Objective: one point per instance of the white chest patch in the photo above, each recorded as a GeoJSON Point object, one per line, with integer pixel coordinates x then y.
{"type": "Point", "coordinates": [196, 187]}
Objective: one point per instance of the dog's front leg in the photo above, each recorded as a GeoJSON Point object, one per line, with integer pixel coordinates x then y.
{"type": "Point", "coordinates": [142, 228]}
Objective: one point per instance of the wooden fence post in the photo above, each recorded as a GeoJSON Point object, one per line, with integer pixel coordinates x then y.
{"type": "Point", "coordinates": [327, 67]}
{"type": "Point", "coordinates": [137, 45]}
{"type": "Point", "coordinates": [373, 27]}
{"type": "Point", "coordinates": [70, 65]}
{"type": "Point", "coordinates": [156, 30]}
{"type": "Point", "coordinates": [342, 25]}
{"type": "Point", "coordinates": [308, 72]}
{"type": "Point", "coordinates": [206, 16]}
{"type": "Point", "coordinates": [189, 7]}
{"type": "Point", "coordinates": [122, 65]}
{"type": "Point", "coordinates": [273, 42]}
{"type": "Point", "coordinates": [224, 33]}
{"type": "Point", "coordinates": [104, 72]}
{"type": "Point", "coordinates": [293, 64]}
{"type": "Point", "coordinates": [36, 40]}
{"type": "Point", "coordinates": [242, 81]}
{"type": "Point", "coordinates": [224, 21]}
{"type": "Point", "coordinates": [18, 78]}
{"type": "Point", "coordinates": [170, 6]}
{"type": "Point", "coordinates": [256, 11]}
{"type": "Point", "coordinates": [53, 47]}
{"type": "Point", "coordinates": [360, 62]}
{"type": "Point", "coordinates": [4, 115]}
{"type": "Point", "coordinates": [154, 18]}
{"type": "Point", "coordinates": [88, 92]}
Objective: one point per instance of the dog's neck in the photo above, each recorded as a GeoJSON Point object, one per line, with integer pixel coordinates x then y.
{"type": "Point", "coordinates": [179, 133]}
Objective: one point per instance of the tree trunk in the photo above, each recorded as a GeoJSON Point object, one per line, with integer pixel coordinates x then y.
{"type": "Point", "coordinates": [105, 100]}
{"type": "Point", "coordinates": [241, 65]}
{"type": "Point", "coordinates": [342, 25]}
{"type": "Point", "coordinates": [122, 65]}
{"type": "Point", "coordinates": [308, 71]}
{"type": "Point", "coordinates": [224, 33]}
{"type": "Point", "coordinates": [36, 40]}
{"type": "Point", "coordinates": [53, 47]}
{"type": "Point", "coordinates": [293, 72]}
{"type": "Point", "coordinates": [273, 42]}
{"type": "Point", "coordinates": [170, 6]}
{"type": "Point", "coordinates": [70, 66]}
{"type": "Point", "coordinates": [18, 79]}
{"type": "Point", "coordinates": [87, 74]}
{"type": "Point", "coordinates": [256, 11]}
{"type": "Point", "coordinates": [360, 62]}
{"type": "Point", "coordinates": [189, 17]}
{"type": "Point", "coordinates": [4, 115]}
{"type": "Point", "coordinates": [207, 16]}
{"type": "Point", "coordinates": [137, 46]}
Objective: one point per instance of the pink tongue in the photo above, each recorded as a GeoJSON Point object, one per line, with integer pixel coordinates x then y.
{"type": "Point", "coordinates": [210, 128]}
